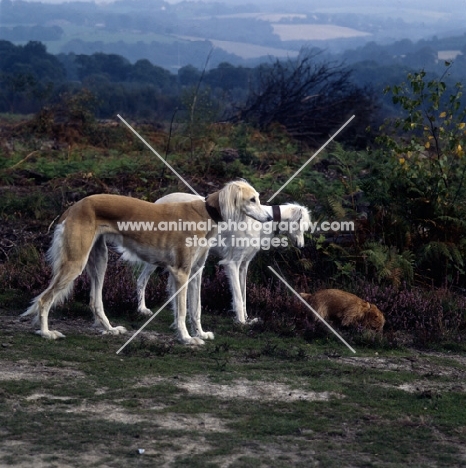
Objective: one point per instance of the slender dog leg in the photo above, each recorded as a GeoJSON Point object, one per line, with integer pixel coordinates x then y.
{"type": "Point", "coordinates": [57, 291]}
{"type": "Point", "coordinates": [180, 278]}
{"type": "Point", "coordinates": [68, 264]}
{"type": "Point", "coordinates": [232, 271]}
{"type": "Point", "coordinates": [171, 289]}
{"type": "Point", "coordinates": [243, 273]}
{"type": "Point", "coordinates": [194, 302]}
{"type": "Point", "coordinates": [143, 279]}
{"type": "Point", "coordinates": [95, 268]}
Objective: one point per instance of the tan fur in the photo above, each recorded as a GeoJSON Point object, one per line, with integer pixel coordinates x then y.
{"type": "Point", "coordinates": [347, 308]}
{"type": "Point", "coordinates": [83, 230]}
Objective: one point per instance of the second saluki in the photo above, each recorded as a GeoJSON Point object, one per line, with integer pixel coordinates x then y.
{"type": "Point", "coordinates": [81, 234]}
{"type": "Point", "coordinates": [291, 220]}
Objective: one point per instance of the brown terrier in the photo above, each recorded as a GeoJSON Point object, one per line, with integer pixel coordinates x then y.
{"type": "Point", "coordinates": [346, 307]}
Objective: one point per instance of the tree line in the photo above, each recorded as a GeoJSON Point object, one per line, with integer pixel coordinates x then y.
{"type": "Point", "coordinates": [309, 96]}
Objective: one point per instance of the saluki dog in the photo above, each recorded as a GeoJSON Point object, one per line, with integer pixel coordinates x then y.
{"type": "Point", "coordinates": [81, 234]}
{"type": "Point", "coordinates": [291, 220]}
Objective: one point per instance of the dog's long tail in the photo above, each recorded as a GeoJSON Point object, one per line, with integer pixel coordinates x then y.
{"type": "Point", "coordinates": [55, 256]}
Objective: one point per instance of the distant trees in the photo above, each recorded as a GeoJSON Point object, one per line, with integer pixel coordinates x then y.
{"type": "Point", "coordinates": [228, 77]}
{"type": "Point", "coordinates": [309, 97]}
{"type": "Point", "coordinates": [189, 75]}
{"type": "Point", "coordinates": [31, 78]}
{"type": "Point", "coordinates": [115, 67]}
{"type": "Point", "coordinates": [144, 72]}
{"type": "Point", "coordinates": [169, 55]}
{"type": "Point", "coordinates": [33, 58]}
{"type": "Point", "coordinates": [140, 90]}
{"type": "Point", "coordinates": [28, 75]}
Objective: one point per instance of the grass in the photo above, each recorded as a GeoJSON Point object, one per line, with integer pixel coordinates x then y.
{"type": "Point", "coordinates": [269, 395]}
{"type": "Point", "coordinates": [104, 164]}
{"type": "Point", "coordinates": [77, 402]}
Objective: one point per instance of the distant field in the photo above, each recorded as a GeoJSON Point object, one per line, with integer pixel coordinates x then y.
{"type": "Point", "coordinates": [245, 50]}
{"type": "Point", "coordinates": [286, 32]}
{"type": "Point", "coordinates": [272, 17]}
{"type": "Point", "coordinates": [315, 32]}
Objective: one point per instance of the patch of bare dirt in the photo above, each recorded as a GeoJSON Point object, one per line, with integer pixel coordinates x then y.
{"type": "Point", "coordinates": [428, 370]}
{"type": "Point", "coordinates": [202, 422]}
{"type": "Point", "coordinates": [68, 326]}
{"type": "Point", "coordinates": [286, 452]}
{"type": "Point", "coordinates": [22, 456]}
{"type": "Point", "coordinates": [419, 365]}
{"type": "Point", "coordinates": [173, 448]}
{"type": "Point", "coordinates": [16, 323]}
{"type": "Point", "coordinates": [245, 389]}
{"type": "Point", "coordinates": [430, 389]}
{"type": "Point", "coordinates": [36, 371]}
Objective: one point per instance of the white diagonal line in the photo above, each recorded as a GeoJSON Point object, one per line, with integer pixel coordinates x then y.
{"type": "Point", "coordinates": [309, 160]}
{"type": "Point", "coordinates": [157, 154]}
{"type": "Point", "coordinates": [309, 307]}
{"type": "Point", "coordinates": [162, 307]}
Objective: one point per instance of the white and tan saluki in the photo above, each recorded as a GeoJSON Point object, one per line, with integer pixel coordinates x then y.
{"type": "Point", "coordinates": [81, 234]}
{"type": "Point", "coordinates": [235, 255]}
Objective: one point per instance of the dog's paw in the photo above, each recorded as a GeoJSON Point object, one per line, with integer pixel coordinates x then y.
{"type": "Point", "coordinates": [192, 340]}
{"type": "Point", "coordinates": [145, 311]}
{"type": "Point", "coordinates": [206, 335]}
{"type": "Point", "coordinates": [247, 321]}
{"type": "Point", "coordinates": [253, 321]}
{"type": "Point", "coordinates": [240, 321]}
{"type": "Point", "coordinates": [115, 331]}
{"type": "Point", "coordinates": [51, 334]}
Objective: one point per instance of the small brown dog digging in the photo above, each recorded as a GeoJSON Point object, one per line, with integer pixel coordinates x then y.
{"type": "Point", "coordinates": [347, 308]}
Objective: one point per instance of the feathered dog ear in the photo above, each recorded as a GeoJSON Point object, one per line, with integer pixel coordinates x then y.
{"type": "Point", "coordinates": [229, 200]}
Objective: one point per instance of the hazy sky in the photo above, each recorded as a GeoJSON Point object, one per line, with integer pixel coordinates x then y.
{"type": "Point", "coordinates": [449, 7]}
{"type": "Point", "coordinates": [431, 4]}
{"type": "Point", "coordinates": [426, 11]}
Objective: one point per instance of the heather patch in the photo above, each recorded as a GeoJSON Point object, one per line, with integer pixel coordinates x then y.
{"type": "Point", "coordinates": [414, 316]}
